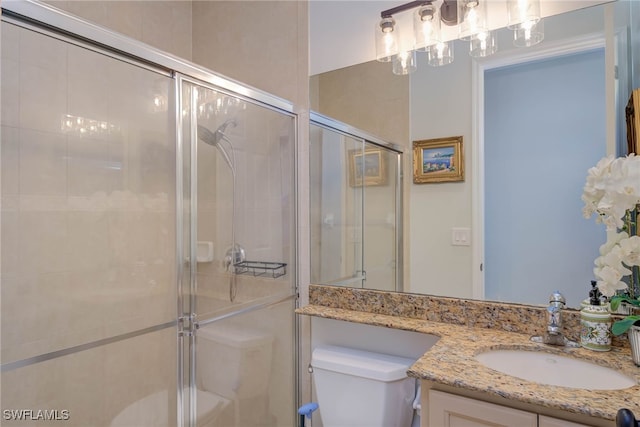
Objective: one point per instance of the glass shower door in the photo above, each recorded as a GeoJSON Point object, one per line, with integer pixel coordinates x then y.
{"type": "Point", "coordinates": [382, 207]}
{"type": "Point", "coordinates": [355, 209]}
{"type": "Point", "coordinates": [336, 172]}
{"type": "Point", "coordinates": [88, 235]}
{"type": "Point", "coordinates": [239, 240]}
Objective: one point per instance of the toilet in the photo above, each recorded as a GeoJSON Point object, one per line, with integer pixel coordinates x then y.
{"type": "Point", "coordinates": [212, 410]}
{"type": "Point", "coordinates": [233, 371]}
{"type": "Point", "coordinates": [234, 362]}
{"type": "Point", "coordinates": [356, 388]}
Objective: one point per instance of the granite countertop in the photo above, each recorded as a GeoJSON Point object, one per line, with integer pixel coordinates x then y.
{"type": "Point", "coordinates": [451, 362]}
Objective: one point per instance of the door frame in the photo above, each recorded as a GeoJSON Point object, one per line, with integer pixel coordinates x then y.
{"type": "Point", "coordinates": [564, 47]}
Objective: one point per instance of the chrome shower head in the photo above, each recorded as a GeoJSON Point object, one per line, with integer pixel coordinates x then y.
{"type": "Point", "coordinates": [214, 138]}
{"type": "Point", "coordinates": [205, 135]}
{"type": "Point", "coordinates": [223, 126]}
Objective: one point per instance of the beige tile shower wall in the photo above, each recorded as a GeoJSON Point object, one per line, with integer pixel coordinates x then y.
{"type": "Point", "coordinates": [341, 94]}
{"type": "Point", "coordinates": [261, 43]}
{"type": "Point", "coordinates": [99, 387]}
{"type": "Point", "coordinates": [88, 224]}
{"type": "Point", "coordinates": [165, 25]}
{"type": "Point", "coordinates": [87, 197]}
{"type": "Point", "coordinates": [265, 44]}
{"type": "Point", "coordinates": [260, 145]}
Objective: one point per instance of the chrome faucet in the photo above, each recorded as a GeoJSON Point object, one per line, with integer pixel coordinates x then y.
{"type": "Point", "coordinates": [553, 335]}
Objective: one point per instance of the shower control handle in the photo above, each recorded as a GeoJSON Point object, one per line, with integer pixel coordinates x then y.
{"type": "Point", "coordinates": [234, 255]}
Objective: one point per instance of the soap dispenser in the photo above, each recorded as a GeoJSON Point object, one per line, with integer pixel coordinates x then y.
{"type": "Point", "coordinates": [595, 322]}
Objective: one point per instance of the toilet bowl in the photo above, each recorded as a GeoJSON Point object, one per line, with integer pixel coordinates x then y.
{"type": "Point", "coordinates": [356, 388]}
{"type": "Point", "coordinates": [233, 369]}
{"type": "Point", "coordinates": [145, 412]}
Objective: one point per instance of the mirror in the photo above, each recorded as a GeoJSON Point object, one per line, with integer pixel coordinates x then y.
{"type": "Point", "coordinates": [393, 110]}
{"type": "Point", "coordinates": [354, 208]}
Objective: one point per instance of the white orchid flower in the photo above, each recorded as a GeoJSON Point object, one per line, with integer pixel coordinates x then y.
{"type": "Point", "coordinates": [609, 281]}
{"type": "Point", "coordinates": [630, 248]}
{"type": "Point", "coordinates": [612, 240]}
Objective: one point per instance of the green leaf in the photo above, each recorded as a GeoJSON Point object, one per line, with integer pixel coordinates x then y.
{"type": "Point", "coordinates": [622, 326]}
{"type": "Point", "coordinates": [615, 303]}
{"type": "Point", "coordinates": [617, 299]}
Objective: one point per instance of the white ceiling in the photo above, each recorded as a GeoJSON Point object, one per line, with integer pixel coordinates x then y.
{"type": "Point", "coordinates": [341, 32]}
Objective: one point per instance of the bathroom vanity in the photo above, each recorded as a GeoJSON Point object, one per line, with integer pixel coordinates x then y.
{"type": "Point", "coordinates": [449, 410]}
{"type": "Point", "coordinates": [456, 386]}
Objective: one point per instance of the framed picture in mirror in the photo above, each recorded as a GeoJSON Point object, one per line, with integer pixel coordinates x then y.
{"type": "Point", "coordinates": [438, 160]}
{"type": "Point", "coordinates": [368, 167]}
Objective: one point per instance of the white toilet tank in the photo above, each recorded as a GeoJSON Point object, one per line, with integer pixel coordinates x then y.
{"type": "Point", "coordinates": [358, 388]}
{"type": "Point", "coordinates": [233, 361]}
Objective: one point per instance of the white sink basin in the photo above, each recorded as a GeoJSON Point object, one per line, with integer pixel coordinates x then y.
{"type": "Point", "coordinates": [552, 369]}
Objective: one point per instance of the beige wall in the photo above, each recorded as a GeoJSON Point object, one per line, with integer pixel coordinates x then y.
{"type": "Point", "coordinates": [343, 95]}
{"type": "Point", "coordinates": [260, 43]}
{"type": "Point", "coordinates": [165, 25]}
{"type": "Point", "coordinates": [371, 98]}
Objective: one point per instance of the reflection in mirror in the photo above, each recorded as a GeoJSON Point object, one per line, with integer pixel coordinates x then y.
{"type": "Point", "coordinates": [355, 207]}
{"type": "Point", "coordinates": [535, 165]}
{"type": "Point", "coordinates": [442, 102]}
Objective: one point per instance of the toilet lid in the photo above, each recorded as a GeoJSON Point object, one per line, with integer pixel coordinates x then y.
{"type": "Point", "coordinates": [234, 336]}
{"type": "Point", "coordinates": [359, 363]}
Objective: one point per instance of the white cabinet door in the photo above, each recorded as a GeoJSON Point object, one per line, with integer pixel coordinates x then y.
{"type": "Point", "coordinates": [544, 421]}
{"type": "Point", "coordinates": [449, 410]}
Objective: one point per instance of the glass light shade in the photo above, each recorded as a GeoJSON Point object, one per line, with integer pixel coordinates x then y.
{"type": "Point", "coordinates": [528, 33]}
{"type": "Point", "coordinates": [404, 63]}
{"type": "Point", "coordinates": [386, 39]}
{"type": "Point", "coordinates": [440, 53]}
{"type": "Point", "coordinates": [520, 11]}
{"type": "Point", "coordinates": [426, 26]}
{"type": "Point", "coordinates": [483, 44]}
{"type": "Point", "coordinates": [472, 18]}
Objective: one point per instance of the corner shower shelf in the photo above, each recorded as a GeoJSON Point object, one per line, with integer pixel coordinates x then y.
{"type": "Point", "coordinates": [258, 268]}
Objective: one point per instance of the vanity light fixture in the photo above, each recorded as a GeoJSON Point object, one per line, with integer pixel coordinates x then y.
{"type": "Point", "coordinates": [523, 17]}
{"type": "Point", "coordinates": [528, 33]}
{"type": "Point", "coordinates": [404, 62]}
{"type": "Point", "coordinates": [440, 53]}
{"type": "Point", "coordinates": [470, 17]}
{"type": "Point", "coordinates": [386, 39]}
{"type": "Point", "coordinates": [483, 44]}
{"type": "Point", "coordinates": [426, 26]}
{"type": "Point", "coordinates": [520, 11]}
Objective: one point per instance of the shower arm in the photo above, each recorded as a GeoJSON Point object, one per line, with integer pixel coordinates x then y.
{"type": "Point", "coordinates": [235, 254]}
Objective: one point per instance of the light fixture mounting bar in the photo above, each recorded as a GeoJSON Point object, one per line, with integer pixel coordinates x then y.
{"type": "Point", "coordinates": [412, 4]}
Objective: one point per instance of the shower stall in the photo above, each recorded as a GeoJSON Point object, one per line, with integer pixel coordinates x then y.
{"type": "Point", "coordinates": [148, 245]}
{"type": "Point", "coordinates": [355, 207]}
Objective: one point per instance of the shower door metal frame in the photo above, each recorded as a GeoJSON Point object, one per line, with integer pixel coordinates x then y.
{"type": "Point", "coordinates": [51, 21]}
{"type": "Point", "coordinates": [10, 17]}
{"type": "Point", "coordinates": [188, 322]}
{"type": "Point", "coordinates": [353, 132]}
